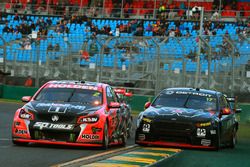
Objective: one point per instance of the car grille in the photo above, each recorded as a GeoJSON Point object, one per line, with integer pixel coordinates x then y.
{"type": "Point", "coordinates": [62, 118]}
{"type": "Point", "coordinates": [52, 135]}
{"type": "Point", "coordinates": [173, 129]}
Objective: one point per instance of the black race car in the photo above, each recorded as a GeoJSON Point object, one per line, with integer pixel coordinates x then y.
{"type": "Point", "coordinates": [187, 117]}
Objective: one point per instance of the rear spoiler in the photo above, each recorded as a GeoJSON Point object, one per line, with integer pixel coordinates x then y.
{"type": "Point", "coordinates": [234, 104]}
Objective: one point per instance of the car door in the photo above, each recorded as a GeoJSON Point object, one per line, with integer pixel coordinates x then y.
{"type": "Point", "coordinates": [113, 113]}
{"type": "Point", "coordinates": [226, 120]}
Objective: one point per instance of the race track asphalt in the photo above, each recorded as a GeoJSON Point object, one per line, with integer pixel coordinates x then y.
{"type": "Point", "coordinates": [34, 155]}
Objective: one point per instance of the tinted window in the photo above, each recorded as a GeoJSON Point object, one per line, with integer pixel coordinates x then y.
{"type": "Point", "coordinates": [70, 95]}
{"type": "Point", "coordinates": [185, 101]}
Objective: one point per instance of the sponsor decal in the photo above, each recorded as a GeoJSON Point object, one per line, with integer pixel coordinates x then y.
{"type": "Point", "coordinates": [20, 131]}
{"type": "Point", "coordinates": [90, 136]}
{"type": "Point", "coordinates": [73, 86]}
{"type": "Point", "coordinates": [146, 128]}
{"type": "Point", "coordinates": [141, 137]}
{"type": "Point", "coordinates": [60, 108]}
{"type": "Point", "coordinates": [55, 118]}
{"type": "Point", "coordinates": [201, 132]}
{"type": "Point", "coordinates": [89, 119]}
{"type": "Point", "coordinates": [181, 112]}
{"type": "Point", "coordinates": [213, 132]}
{"type": "Point", "coordinates": [193, 93]}
{"type": "Point", "coordinates": [46, 125]}
{"type": "Point", "coordinates": [169, 92]}
{"type": "Point", "coordinates": [205, 142]}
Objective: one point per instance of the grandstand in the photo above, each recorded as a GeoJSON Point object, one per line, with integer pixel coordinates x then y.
{"type": "Point", "coordinates": [151, 53]}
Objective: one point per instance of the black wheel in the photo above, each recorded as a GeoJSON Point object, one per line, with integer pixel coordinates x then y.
{"type": "Point", "coordinates": [19, 143]}
{"type": "Point", "coordinates": [217, 140]}
{"type": "Point", "coordinates": [124, 136]}
{"type": "Point", "coordinates": [105, 141]}
{"type": "Point", "coordinates": [233, 139]}
{"type": "Point", "coordinates": [129, 127]}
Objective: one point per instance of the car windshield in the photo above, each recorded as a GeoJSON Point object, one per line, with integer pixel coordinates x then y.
{"type": "Point", "coordinates": [85, 96]}
{"type": "Point", "coordinates": [186, 101]}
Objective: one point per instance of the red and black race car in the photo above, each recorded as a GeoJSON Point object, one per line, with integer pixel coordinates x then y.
{"type": "Point", "coordinates": [75, 113]}
{"type": "Point", "coordinates": [187, 117]}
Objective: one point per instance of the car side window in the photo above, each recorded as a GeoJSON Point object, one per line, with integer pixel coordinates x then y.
{"type": "Point", "coordinates": [223, 102]}
{"type": "Point", "coordinates": [110, 96]}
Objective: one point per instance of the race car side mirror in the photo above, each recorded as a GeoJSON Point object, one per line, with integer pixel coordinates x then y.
{"type": "Point", "coordinates": [147, 104]}
{"type": "Point", "coordinates": [26, 99]}
{"type": "Point", "coordinates": [225, 111]}
{"type": "Point", "coordinates": [238, 110]}
{"type": "Point", "coordinates": [128, 94]}
{"type": "Point", "coordinates": [114, 105]}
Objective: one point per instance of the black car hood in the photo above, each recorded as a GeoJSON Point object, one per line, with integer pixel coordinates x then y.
{"type": "Point", "coordinates": [61, 108]}
{"type": "Point", "coordinates": [179, 114]}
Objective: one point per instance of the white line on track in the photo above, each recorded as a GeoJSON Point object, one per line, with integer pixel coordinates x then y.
{"type": "Point", "coordinates": [4, 139]}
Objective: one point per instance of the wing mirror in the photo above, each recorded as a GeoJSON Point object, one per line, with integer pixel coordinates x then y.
{"type": "Point", "coordinates": [26, 99]}
{"type": "Point", "coordinates": [147, 104]}
{"type": "Point", "coordinates": [114, 105]}
{"type": "Point", "coordinates": [238, 110]}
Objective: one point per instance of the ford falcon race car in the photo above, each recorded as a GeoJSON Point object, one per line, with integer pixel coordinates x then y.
{"type": "Point", "coordinates": [75, 113]}
{"type": "Point", "coordinates": [187, 117]}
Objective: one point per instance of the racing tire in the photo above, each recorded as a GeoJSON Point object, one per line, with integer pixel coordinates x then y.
{"type": "Point", "coordinates": [105, 141]}
{"type": "Point", "coordinates": [233, 139]}
{"type": "Point", "coordinates": [124, 137]}
{"type": "Point", "coordinates": [129, 127]}
{"type": "Point", "coordinates": [218, 140]}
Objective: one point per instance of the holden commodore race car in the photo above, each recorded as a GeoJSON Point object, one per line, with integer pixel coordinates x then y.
{"type": "Point", "coordinates": [75, 113]}
{"type": "Point", "coordinates": [189, 118]}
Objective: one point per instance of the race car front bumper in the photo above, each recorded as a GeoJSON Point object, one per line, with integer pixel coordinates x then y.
{"type": "Point", "coordinates": [173, 144]}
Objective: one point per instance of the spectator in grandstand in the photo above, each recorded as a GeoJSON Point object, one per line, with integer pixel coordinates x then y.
{"type": "Point", "coordinates": [93, 48]}
{"type": "Point", "coordinates": [161, 11]}
{"type": "Point", "coordinates": [49, 21]}
{"type": "Point", "coordinates": [126, 55]}
{"type": "Point", "coordinates": [172, 33]}
{"type": "Point", "coordinates": [187, 34]}
{"type": "Point", "coordinates": [57, 47]}
{"type": "Point", "coordinates": [84, 51]}
{"type": "Point", "coordinates": [6, 28]}
{"type": "Point", "coordinates": [50, 47]}
{"type": "Point", "coordinates": [16, 17]}
{"type": "Point", "coordinates": [192, 55]}
{"type": "Point", "coordinates": [28, 82]}
{"type": "Point", "coordinates": [11, 29]}
{"type": "Point", "coordinates": [149, 27]}
{"type": "Point", "coordinates": [215, 15]}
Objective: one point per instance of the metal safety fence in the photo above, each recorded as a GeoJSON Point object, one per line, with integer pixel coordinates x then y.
{"type": "Point", "coordinates": [145, 65]}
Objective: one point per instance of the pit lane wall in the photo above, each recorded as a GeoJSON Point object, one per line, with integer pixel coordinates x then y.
{"type": "Point", "coordinates": [17, 92]}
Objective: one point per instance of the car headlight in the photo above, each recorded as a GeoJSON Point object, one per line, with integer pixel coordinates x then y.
{"type": "Point", "coordinates": [88, 119]}
{"type": "Point", "coordinates": [24, 114]}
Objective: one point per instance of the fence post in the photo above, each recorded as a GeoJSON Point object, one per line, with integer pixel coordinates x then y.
{"type": "Point", "coordinates": [232, 69]}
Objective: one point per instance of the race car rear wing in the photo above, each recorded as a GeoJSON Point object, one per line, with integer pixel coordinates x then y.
{"type": "Point", "coordinates": [234, 104]}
